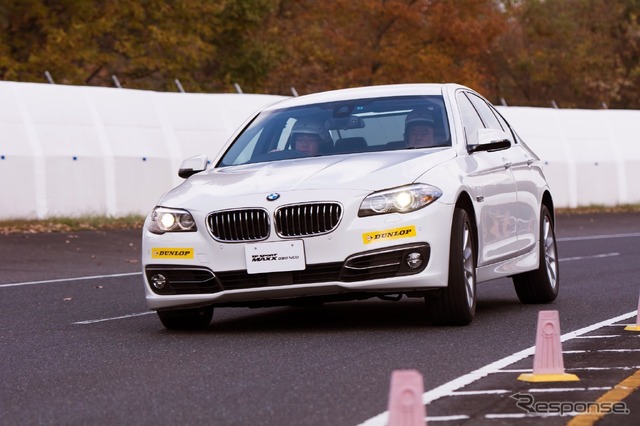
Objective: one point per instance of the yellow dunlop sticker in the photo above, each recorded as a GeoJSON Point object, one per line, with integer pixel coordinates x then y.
{"type": "Point", "coordinates": [172, 253]}
{"type": "Point", "coordinates": [389, 234]}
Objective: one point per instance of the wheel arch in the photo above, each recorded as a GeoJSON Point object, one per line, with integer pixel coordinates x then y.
{"type": "Point", "coordinates": [548, 201]}
{"type": "Point", "coordinates": [464, 202]}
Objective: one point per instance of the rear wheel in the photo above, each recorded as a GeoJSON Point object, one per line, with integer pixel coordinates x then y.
{"type": "Point", "coordinates": [456, 304]}
{"type": "Point", "coordinates": [186, 319]}
{"type": "Point", "coordinates": [541, 285]}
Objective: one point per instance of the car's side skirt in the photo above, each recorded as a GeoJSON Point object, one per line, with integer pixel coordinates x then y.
{"type": "Point", "coordinates": [522, 263]}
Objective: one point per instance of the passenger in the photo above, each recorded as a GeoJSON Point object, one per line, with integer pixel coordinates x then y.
{"type": "Point", "coordinates": [307, 137]}
{"type": "Point", "coordinates": [419, 129]}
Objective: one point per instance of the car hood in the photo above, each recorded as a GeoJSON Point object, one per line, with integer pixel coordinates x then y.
{"type": "Point", "coordinates": [365, 171]}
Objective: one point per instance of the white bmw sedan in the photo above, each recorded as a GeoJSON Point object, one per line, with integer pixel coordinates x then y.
{"type": "Point", "coordinates": [419, 190]}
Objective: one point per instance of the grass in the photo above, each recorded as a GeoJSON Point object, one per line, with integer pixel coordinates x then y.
{"type": "Point", "coordinates": [70, 224]}
{"type": "Point", "coordinates": [94, 223]}
{"type": "Point", "coordinates": [595, 208]}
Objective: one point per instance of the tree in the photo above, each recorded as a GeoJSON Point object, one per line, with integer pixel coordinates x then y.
{"type": "Point", "coordinates": [342, 43]}
{"type": "Point", "coordinates": [146, 43]}
{"type": "Point", "coordinates": [581, 53]}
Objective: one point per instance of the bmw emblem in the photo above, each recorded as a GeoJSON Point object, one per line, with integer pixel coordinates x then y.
{"type": "Point", "coordinates": [273, 196]}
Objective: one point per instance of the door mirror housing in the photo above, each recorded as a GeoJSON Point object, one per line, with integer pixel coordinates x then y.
{"type": "Point", "coordinates": [193, 165]}
{"type": "Point", "coordinates": [490, 140]}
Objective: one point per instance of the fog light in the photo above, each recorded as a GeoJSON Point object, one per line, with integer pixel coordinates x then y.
{"type": "Point", "coordinates": [158, 281]}
{"type": "Point", "coordinates": [414, 260]}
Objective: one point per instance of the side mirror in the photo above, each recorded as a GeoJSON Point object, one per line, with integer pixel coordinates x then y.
{"type": "Point", "coordinates": [193, 165]}
{"type": "Point", "coordinates": [490, 140]}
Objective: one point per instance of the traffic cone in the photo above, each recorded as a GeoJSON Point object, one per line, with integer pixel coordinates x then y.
{"type": "Point", "coordinates": [405, 399]}
{"type": "Point", "coordinates": [548, 365]}
{"type": "Point", "coordinates": [637, 326]}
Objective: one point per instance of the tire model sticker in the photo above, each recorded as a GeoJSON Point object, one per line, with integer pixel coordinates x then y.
{"type": "Point", "coordinates": [389, 234]}
{"type": "Point", "coordinates": [172, 253]}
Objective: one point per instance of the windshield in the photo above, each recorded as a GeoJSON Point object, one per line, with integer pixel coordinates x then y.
{"type": "Point", "coordinates": [342, 127]}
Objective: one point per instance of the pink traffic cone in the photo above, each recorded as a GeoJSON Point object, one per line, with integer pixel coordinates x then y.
{"type": "Point", "coordinates": [637, 326]}
{"type": "Point", "coordinates": [548, 365]}
{"type": "Point", "coordinates": [405, 399]}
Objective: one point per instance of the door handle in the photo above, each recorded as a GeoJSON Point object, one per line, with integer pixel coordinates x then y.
{"type": "Point", "coordinates": [507, 165]}
{"type": "Point", "coordinates": [530, 161]}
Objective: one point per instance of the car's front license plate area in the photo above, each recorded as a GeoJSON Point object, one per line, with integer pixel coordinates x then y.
{"type": "Point", "coordinates": [275, 257]}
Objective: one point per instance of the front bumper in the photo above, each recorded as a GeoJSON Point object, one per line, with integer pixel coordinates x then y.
{"type": "Point", "coordinates": [349, 260]}
{"type": "Point", "coordinates": [370, 265]}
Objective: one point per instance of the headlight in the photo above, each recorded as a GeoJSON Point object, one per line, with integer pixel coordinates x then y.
{"type": "Point", "coordinates": [164, 220]}
{"type": "Point", "coordinates": [399, 200]}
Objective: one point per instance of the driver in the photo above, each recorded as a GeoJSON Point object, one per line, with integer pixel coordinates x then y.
{"type": "Point", "coordinates": [307, 137]}
{"type": "Point", "coordinates": [420, 129]}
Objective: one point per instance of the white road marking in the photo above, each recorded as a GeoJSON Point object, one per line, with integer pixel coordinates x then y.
{"type": "Point", "coordinates": [526, 415]}
{"type": "Point", "coordinates": [598, 337]}
{"type": "Point", "coordinates": [462, 381]}
{"type": "Point", "coordinates": [634, 367]}
{"type": "Point", "coordinates": [480, 392]}
{"type": "Point", "coordinates": [554, 390]}
{"type": "Point", "coordinates": [595, 256]}
{"type": "Point", "coordinates": [114, 318]}
{"type": "Point", "coordinates": [584, 351]}
{"type": "Point", "coordinates": [532, 390]}
{"type": "Point", "coordinates": [61, 280]}
{"type": "Point", "coordinates": [529, 370]}
{"type": "Point", "coordinates": [446, 418]}
{"type": "Point", "coordinates": [600, 237]}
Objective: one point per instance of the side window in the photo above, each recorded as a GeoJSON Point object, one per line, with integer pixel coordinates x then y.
{"type": "Point", "coordinates": [485, 112]}
{"type": "Point", "coordinates": [470, 119]}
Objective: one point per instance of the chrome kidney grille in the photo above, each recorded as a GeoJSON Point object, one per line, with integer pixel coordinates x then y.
{"type": "Point", "coordinates": [239, 225]}
{"type": "Point", "coordinates": [295, 220]}
{"type": "Point", "coordinates": [301, 220]}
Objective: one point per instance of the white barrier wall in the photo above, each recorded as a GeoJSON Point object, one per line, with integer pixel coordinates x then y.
{"type": "Point", "coordinates": [71, 151]}
{"type": "Point", "coordinates": [590, 156]}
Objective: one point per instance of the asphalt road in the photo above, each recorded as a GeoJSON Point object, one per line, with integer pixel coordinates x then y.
{"type": "Point", "coordinates": [87, 351]}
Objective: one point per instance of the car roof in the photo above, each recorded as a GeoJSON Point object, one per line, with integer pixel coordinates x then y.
{"type": "Point", "coordinates": [363, 93]}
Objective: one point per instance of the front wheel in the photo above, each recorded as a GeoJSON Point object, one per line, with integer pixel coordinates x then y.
{"type": "Point", "coordinates": [456, 304]}
{"type": "Point", "coordinates": [541, 285]}
{"type": "Point", "coordinates": [186, 319]}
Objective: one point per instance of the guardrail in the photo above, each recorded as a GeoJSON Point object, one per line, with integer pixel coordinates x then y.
{"type": "Point", "coordinates": [71, 151]}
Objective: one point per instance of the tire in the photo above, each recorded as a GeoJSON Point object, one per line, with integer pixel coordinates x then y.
{"type": "Point", "coordinates": [186, 319]}
{"type": "Point", "coordinates": [541, 285]}
{"type": "Point", "coordinates": [456, 304]}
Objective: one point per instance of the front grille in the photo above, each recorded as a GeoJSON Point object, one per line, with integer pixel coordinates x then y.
{"type": "Point", "coordinates": [236, 280]}
{"type": "Point", "coordinates": [300, 220]}
{"type": "Point", "coordinates": [239, 225]}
